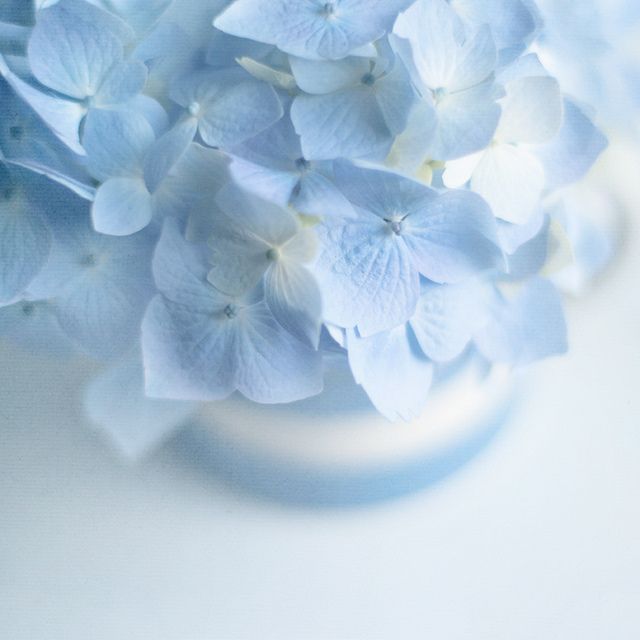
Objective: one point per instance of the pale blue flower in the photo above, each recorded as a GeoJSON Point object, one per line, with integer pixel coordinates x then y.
{"type": "Point", "coordinates": [508, 174]}
{"type": "Point", "coordinates": [272, 166]}
{"type": "Point", "coordinates": [256, 240]}
{"type": "Point", "coordinates": [351, 108]}
{"type": "Point", "coordinates": [313, 29]}
{"type": "Point", "coordinates": [453, 69]}
{"type": "Point", "coordinates": [369, 266]}
{"type": "Point", "coordinates": [139, 173]}
{"type": "Point", "coordinates": [202, 344]}
{"type": "Point", "coordinates": [227, 107]}
{"type": "Point", "coordinates": [98, 285]}
{"type": "Point", "coordinates": [79, 52]}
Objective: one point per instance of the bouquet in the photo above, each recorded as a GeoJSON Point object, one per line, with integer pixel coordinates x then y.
{"type": "Point", "coordinates": [214, 197]}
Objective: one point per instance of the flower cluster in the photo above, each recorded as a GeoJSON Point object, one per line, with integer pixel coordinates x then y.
{"type": "Point", "coordinates": [232, 195]}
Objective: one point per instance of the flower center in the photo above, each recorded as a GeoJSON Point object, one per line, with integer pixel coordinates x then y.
{"type": "Point", "coordinates": [395, 223]}
{"type": "Point", "coordinates": [28, 309]}
{"type": "Point", "coordinates": [89, 260]}
{"type": "Point", "coordinates": [231, 311]}
{"type": "Point", "coordinates": [194, 108]}
{"type": "Point", "coordinates": [16, 132]}
{"type": "Point", "coordinates": [273, 254]}
{"type": "Point", "coordinates": [368, 79]}
{"type": "Point", "coordinates": [328, 10]}
{"type": "Point", "coordinates": [302, 164]}
{"type": "Point", "coordinates": [439, 94]}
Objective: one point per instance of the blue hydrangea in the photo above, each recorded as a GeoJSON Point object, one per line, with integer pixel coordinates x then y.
{"type": "Point", "coordinates": [376, 181]}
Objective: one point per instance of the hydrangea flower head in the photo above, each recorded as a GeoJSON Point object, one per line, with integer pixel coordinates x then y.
{"type": "Point", "coordinates": [293, 180]}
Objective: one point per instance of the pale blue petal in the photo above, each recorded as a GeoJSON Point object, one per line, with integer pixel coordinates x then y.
{"type": "Point", "coordinates": [383, 193]}
{"type": "Point", "coordinates": [447, 316]}
{"type": "Point", "coordinates": [511, 179]}
{"type": "Point", "coordinates": [187, 353]}
{"type": "Point", "coordinates": [531, 257]}
{"type": "Point", "coordinates": [526, 328]}
{"type": "Point", "coordinates": [366, 276]}
{"type": "Point", "coordinates": [192, 182]}
{"type": "Point", "coordinates": [116, 142]}
{"type": "Point", "coordinates": [167, 151]}
{"type": "Point", "coordinates": [123, 206]}
{"type": "Point", "coordinates": [100, 285]}
{"type": "Point", "coordinates": [513, 236]}
{"type": "Point", "coordinates": [324, 76]}
{"type": "Point", "coordinates": [393, 371]}
{"type": "Point", "coordinates": [511, 22]}
{"type": "Point", "coordinates": [396, 98]}
{"type": "Point", "coordinates": [26, 141]}
{"type": "Point", "coordinates": [532, 110]}
{"type": "Point", "coordinates": [24, 242]}
{"type": "Point", "coordinates": [73, 47]}
{"type": "Point", "coordinates": [34, 327]}
{"type": "Point", "coordinates": [190, 355]}
{"type": "Point", "coordinates": [125, 81]}
{"type": "Point", "coordinates": [347, 124]}
{"type": "Point", "coordinates": [61, 116]}
{"type": "Point", "coordinates": [116, 402]}
{"type": "Point", "coordinates": [180, 271]}
{"type": "Point", "coordinates": [570, 155]}
{"type": "Point", "coordinates": [311, 29]}
{"type": "Point", "coordinates": [295, 300]}
{"type": "Point", "coordinates": [272, 184]}
{"type": "Point", "coordinates": [436, 34]}
{"type": "Point", "coordinates": [455, 237]}
{"type": "Point", "coordinates": [266, 220]}
{"type": "Point", "coordinates": [270, 367]}
{"type": "Point", "coordinates": [316, 195]}
{"type": "Point", "coordinates": [476, 61]}
{"type": "Point", "coordinates": [467, 122]}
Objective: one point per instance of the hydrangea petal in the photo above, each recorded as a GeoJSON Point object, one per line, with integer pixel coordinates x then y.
{"type": "Point", "coordinates": [345, 124]}
{"type": "Point", "coordinates": [100, 285]}
{"type": "Point", "coordinates": [531, 111]}
{"type": "Point", "coordinates": [569, 156]}
{"type": "Point", "coordinates": [454, 238]}
{"type": "Point", "coordinates": [116, 142]}
{"type": "Point", "coordinates": [366, 276]}
{"type": "Point", "coordinates": [392, 370]}
{"type": "Point", "coordinates": [167, 151]}
{"type": "Point", "coordinates": [116, 402]}
{"type": "Point", "coordinates": [24, 243]}
{"type": "Point", "coordinates": [436, 34]}
{"type": "Point", "coordinates": [124, 82]}
{"type": "Point", "coordinates": [61, 116]}
{"type": "Point", "coordinates": [73, 47]}
{"type": "Point", "coordinates": [511, 21]}
{"type": "Point", "coordinates": [511, 179]}
{"type": "Point", "coordinates": [295, 300]}
{"type": "Point", "coordinates": [446, 318]}
{"type": "Point", "coordinates": [311, 29]}
{"type": "Point", "coordinates": [318, 77]}
{"type": "Point", "coordinates": [123, 206]}
{"type": "Point", "coordinates": [467, 122]}
{"type": "Point", "coordinates": [527, 328]}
